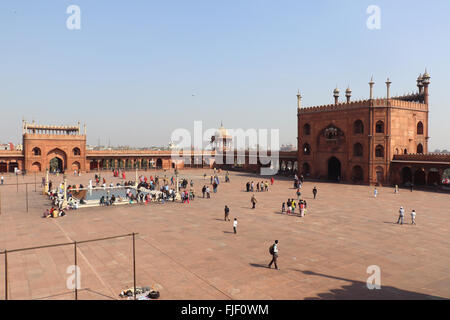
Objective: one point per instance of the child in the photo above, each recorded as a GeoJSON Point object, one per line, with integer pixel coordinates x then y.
{"type": "Point", "coordinates": [235, 223]}
{"type": "Point", "coordinates": [413, 217]}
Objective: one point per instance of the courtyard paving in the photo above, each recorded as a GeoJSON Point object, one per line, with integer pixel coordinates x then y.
{"type": "Point", "coordinates": [190, 252]}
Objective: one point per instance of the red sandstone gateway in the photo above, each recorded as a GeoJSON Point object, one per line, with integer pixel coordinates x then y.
{"type": "Point", "coordinates": [370, 141]}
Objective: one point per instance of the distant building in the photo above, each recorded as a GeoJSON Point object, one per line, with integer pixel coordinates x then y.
{"type": "Point", "coordinates": [7, 146]}
{"type": "Point", "coordinates": [287, 147]}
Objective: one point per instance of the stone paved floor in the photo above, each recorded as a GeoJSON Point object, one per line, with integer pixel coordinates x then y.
{"type": "Point", "coordinates": [189, 252]}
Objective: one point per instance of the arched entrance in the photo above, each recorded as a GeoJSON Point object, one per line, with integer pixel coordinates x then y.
{"type": "Point", "coordinates": [76, 166]}
{"type": "Point", "coordinates": [56, 165]}
{"type": "Point", "coordinates": [3, 167]}
{"type": "Point", "coordinates": [36, 167]}
{"type": "Point", "coordinates": [159, 163]}
{"type": "Point", "coordinates": [380, 175]}
{"type": "Point", "coordinates": [13, 166]}
{"type": "Point", "coordinates": [306, 169]}
{"type": "Point", "coordinates": [283, 165]}
{"type": "Point", "coordinates": [357, 174]}
{"type": "Point", "coordinates": [419, 177]}
{"type": "Point", "coordinates": [446, 177]}
{"type": "Point", "coordinates": [334, 169]}
{"type": "Point", "coordinates": [58, 160]}
{"type": "Point", "coordinates": [406, 175]}
{"type": "Point", "coordinates": [434, 179]}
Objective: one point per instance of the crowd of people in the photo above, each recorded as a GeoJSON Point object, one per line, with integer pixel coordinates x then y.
{"type": "Point", "coordinates": [259, 187]}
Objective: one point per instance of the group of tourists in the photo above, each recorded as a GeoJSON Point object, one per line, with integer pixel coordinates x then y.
{"type": "Point", "coordinates": [206, 191]}
{"type": "Point", "coordinates": [107, 201]}
{"type": "Point", "coordinates": [260, 186]}
{"type": "Point", "coordinates": [401, 216]}
{"type": "Point", "coordinates": [290, 205]}
{"type": "Point", "coordinates": [54, 212]}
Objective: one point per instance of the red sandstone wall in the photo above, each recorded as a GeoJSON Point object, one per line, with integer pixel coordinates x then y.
{"type": "Point", "coordinates": [60, 146]}
{"type": "Point", "coordinates": [400, 131]}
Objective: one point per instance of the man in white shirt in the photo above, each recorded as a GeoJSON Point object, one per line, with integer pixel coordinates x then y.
{"type": "Point", "coordinates": [401, 215]}
{"type": "Point", "coordinates": [274, 252]}
{"type": "Point", "coordinates": [235, 225]}
{"type": "Point", "coordinates": [413, 217]}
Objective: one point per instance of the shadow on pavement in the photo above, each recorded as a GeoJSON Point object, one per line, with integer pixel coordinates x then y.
{"type": "Point", "coordinates": [257, 265]}
{"type": "Point", "coordinates": [357, 290]}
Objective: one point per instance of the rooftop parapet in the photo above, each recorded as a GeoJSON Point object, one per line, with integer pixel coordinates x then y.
{"type": "Point", "coordinates": [432, 157]}
{"type": "Point", "coordinates": [378, 102]}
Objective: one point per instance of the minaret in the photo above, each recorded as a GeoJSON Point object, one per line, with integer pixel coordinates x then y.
{"type": "Point", "coordinates": [420, 83]}
{"type": "Point", "coordinates": [348, 94]}
{"type": "Point", "coordinates": [299, 100]}
{"type": "Point", "coordinates": [425, 81]}
{"type": "Point", "coordinates": [371, 83]}
{"type": "Point", "coordinates": [388, 89]}
{"type": "Point", "coordinates": [336, 95]}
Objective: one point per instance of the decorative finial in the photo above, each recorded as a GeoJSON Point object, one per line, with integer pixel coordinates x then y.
{"type": "Point", "coordinates": [336, 91]}
{"type": "Point", "coordinates": [299, 99]}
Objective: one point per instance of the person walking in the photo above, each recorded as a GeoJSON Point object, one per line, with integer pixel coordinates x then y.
{"type": "Point", "coordinates": [375, 192]}
{"type": "Point", "coordinates": [227, 213]}
{"type": "Point", "coordinates": [204, 191]}
{"type": "Point", "coordinates": [289, 206]}
{"type": "Point", "coordinates": [413, 217]}
{"type": "Point", "coordinates": [401, 215]}
{"type": "Point", "coordinates": [253, 201]}
{"type": "Point", "coordinates": [1, 179]}
{"type": "Point", "coordinates": [273, 250]}
{"type": "Point", "coordinates": [235, 223]}
{"type": "Point", "coordinates": [298, 195]}
{"type": "Point", "coordinates": [315, 192]}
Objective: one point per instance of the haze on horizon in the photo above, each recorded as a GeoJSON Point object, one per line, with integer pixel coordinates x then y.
{"type": "Point", "coordinates": [137, 71]}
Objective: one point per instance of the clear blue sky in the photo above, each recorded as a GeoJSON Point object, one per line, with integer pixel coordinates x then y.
{"type": "Point", "coordinates": [131, 71]}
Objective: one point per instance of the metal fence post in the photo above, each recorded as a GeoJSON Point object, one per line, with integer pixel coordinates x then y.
{"type": "Point", "coordinates": [26, 194]}
{"type": "Point", "coordinates": [134, 266]}
{"type": "Point", "coordinates": [76, 271]}
{"type": "Point", "coordinates": [6, 274]}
